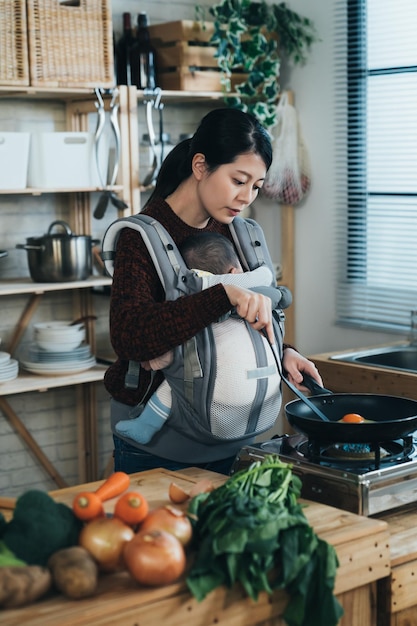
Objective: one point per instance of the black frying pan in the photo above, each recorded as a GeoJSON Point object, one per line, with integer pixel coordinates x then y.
{"type": "Point", "coordinates": [393, 417]}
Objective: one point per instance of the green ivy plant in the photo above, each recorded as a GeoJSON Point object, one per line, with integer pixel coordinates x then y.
{"type": "Point", "coordinates": [251, 38]}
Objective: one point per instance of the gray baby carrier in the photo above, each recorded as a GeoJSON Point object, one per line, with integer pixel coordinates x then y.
{"type": "Point", "coordinates": [192, 373]}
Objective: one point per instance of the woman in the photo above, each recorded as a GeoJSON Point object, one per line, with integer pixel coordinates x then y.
{"type": "Point", "coordinates": [202, 185]}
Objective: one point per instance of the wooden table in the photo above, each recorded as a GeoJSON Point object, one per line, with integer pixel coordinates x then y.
{"type": "Point", "coordinates": [362, 545]}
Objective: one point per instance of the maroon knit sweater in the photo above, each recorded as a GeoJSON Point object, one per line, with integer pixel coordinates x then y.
{"type": "Point", "coordinates": [142, 324]}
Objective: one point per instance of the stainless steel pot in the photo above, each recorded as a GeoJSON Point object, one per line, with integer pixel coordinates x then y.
{"type": "Point", "coordinates": [59, 257]}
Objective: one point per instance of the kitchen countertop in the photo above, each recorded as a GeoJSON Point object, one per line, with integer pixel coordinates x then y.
{"type": "Point", "coordinates": [362, 545]}
{"type": "Point", "coordinates": [342, 377]}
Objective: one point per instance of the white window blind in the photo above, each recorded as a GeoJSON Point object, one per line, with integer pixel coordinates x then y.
{"type": "Point", "coordinates": [376, 146]}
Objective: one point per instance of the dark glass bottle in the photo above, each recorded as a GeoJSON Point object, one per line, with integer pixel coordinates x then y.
{"type": "Point", "coordinates": [142, 56]}
{"type": "Point", "coordinates": [122, 51]}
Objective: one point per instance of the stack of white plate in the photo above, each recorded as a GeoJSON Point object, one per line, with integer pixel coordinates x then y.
{"type": "Point", "coordinates": [58, 349]}
{"type": "Point", "coordinates": [9, 368]}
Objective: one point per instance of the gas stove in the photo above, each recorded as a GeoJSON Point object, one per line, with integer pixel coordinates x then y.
{"type": "Point", "coordinates": [360, 478]}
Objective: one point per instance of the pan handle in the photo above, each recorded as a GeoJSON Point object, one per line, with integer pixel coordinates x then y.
{"type": "Point", "coordinates": [313, 386]}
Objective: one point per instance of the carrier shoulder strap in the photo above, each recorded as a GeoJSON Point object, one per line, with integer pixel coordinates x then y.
{"type": "Point", "coordinates": [249, 240]}
{"type": "Point", "coordinates": [174, 275]}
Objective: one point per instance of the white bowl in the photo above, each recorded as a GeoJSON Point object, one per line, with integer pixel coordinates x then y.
{"type": "Point", "coordinates": [57, 325]}
{"type": "Point", "coordinates": [60, 333]}
{"type": "Point", "coordinates": [59, 345]}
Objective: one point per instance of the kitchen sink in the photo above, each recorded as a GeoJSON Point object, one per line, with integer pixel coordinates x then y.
{"type": "Point", "coordinates": [399, 357]}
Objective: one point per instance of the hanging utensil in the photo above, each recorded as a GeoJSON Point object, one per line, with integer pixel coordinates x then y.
{"type": "Point", "coordinates": [114, 122]}
{"type": "Point", "coordinates": [101, 120]}
{"type": "Point", "coordinates": [108, 194]}
{"type": "Point", "coordinates": [161, 136]}
{"type": "Point", "coordinates": [150, 105]}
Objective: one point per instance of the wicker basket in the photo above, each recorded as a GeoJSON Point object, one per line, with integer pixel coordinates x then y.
{"type": "Point", "coordinates": [70, 43]}
{"type": "Point", "coordinates": [14, 64]}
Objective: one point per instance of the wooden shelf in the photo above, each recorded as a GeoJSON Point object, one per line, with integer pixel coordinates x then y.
{"type": "Point", "coordinates": [46, 93]}
{"type": "Point", "coordinates": [18, 286]}
{"type": "Point", "coordinates": [26, 382]}
{"type": "Point", "coordinates": [49, 93]}
{"type": "Point", "coordinates": [31, 191]}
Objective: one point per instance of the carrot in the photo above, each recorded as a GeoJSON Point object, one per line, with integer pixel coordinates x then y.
{"type": "Point", "coordinates": [114, 486]}
{"type": "Point", "coordinates": [87, 506]}
{"type": "Point", "coordinates": [131, 508]}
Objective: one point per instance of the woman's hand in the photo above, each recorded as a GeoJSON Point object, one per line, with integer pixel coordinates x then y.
{"type": "Point", "coordinates": [295, 364]}
{"type": "Point", "coordinates": [254, 307]}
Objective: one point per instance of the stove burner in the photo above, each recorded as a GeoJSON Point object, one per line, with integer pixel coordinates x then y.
{"type": "Point", "coordinates": [353, 451]}
{"type": "Point", "coordinates": [363, 454]}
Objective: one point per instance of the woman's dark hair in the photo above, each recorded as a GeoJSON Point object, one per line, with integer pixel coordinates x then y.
{"type": "Point", "coordinates": [222, 135]}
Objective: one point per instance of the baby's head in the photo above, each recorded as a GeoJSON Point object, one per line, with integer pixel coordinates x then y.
{"type": "Point", "coordinates": [211, 252]}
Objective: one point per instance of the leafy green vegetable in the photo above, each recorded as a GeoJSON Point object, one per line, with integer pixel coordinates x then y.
{"type": "Point", "coordinates": [252, 530]}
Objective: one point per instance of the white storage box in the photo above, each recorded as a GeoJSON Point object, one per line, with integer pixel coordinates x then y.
{"type": "Point", "coordinates": [66, 161]}
{"type": "Point", "coordinates": [14, 155]}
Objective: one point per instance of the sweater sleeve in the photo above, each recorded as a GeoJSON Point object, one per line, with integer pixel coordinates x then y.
{"type": "Point", "coordinates": [142, 324]}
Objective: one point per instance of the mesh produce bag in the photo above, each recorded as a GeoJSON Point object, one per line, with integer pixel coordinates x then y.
{"type": "Point", "coordinates": [288, 179]}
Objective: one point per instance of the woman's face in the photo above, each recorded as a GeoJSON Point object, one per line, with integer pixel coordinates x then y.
{"type": "Point", "coordinates": [231, 188]}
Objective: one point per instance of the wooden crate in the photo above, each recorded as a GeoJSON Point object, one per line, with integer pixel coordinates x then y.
{"type": "Point", "coordinates": [184, 54]}
{"type": "Point", "coordinates": [188, 79]}
{"type": "Point", "coordinates": [70, 43]}
{"type": "Point", "coordinates": [14, 60]}
{"type": "Point", "coordinates": [181, 30]}
{"type": "Point", "coordinates": [185, 60]}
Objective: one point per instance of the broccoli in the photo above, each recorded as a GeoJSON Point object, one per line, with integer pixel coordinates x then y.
{"type": "Point", "coordinates": [39, 527]}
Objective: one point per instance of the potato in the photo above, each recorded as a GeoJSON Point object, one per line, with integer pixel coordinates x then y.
{"type": "Point", "coordinates": [20, 585]}
{"type": "Point", "coordinates": [74, 572]}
